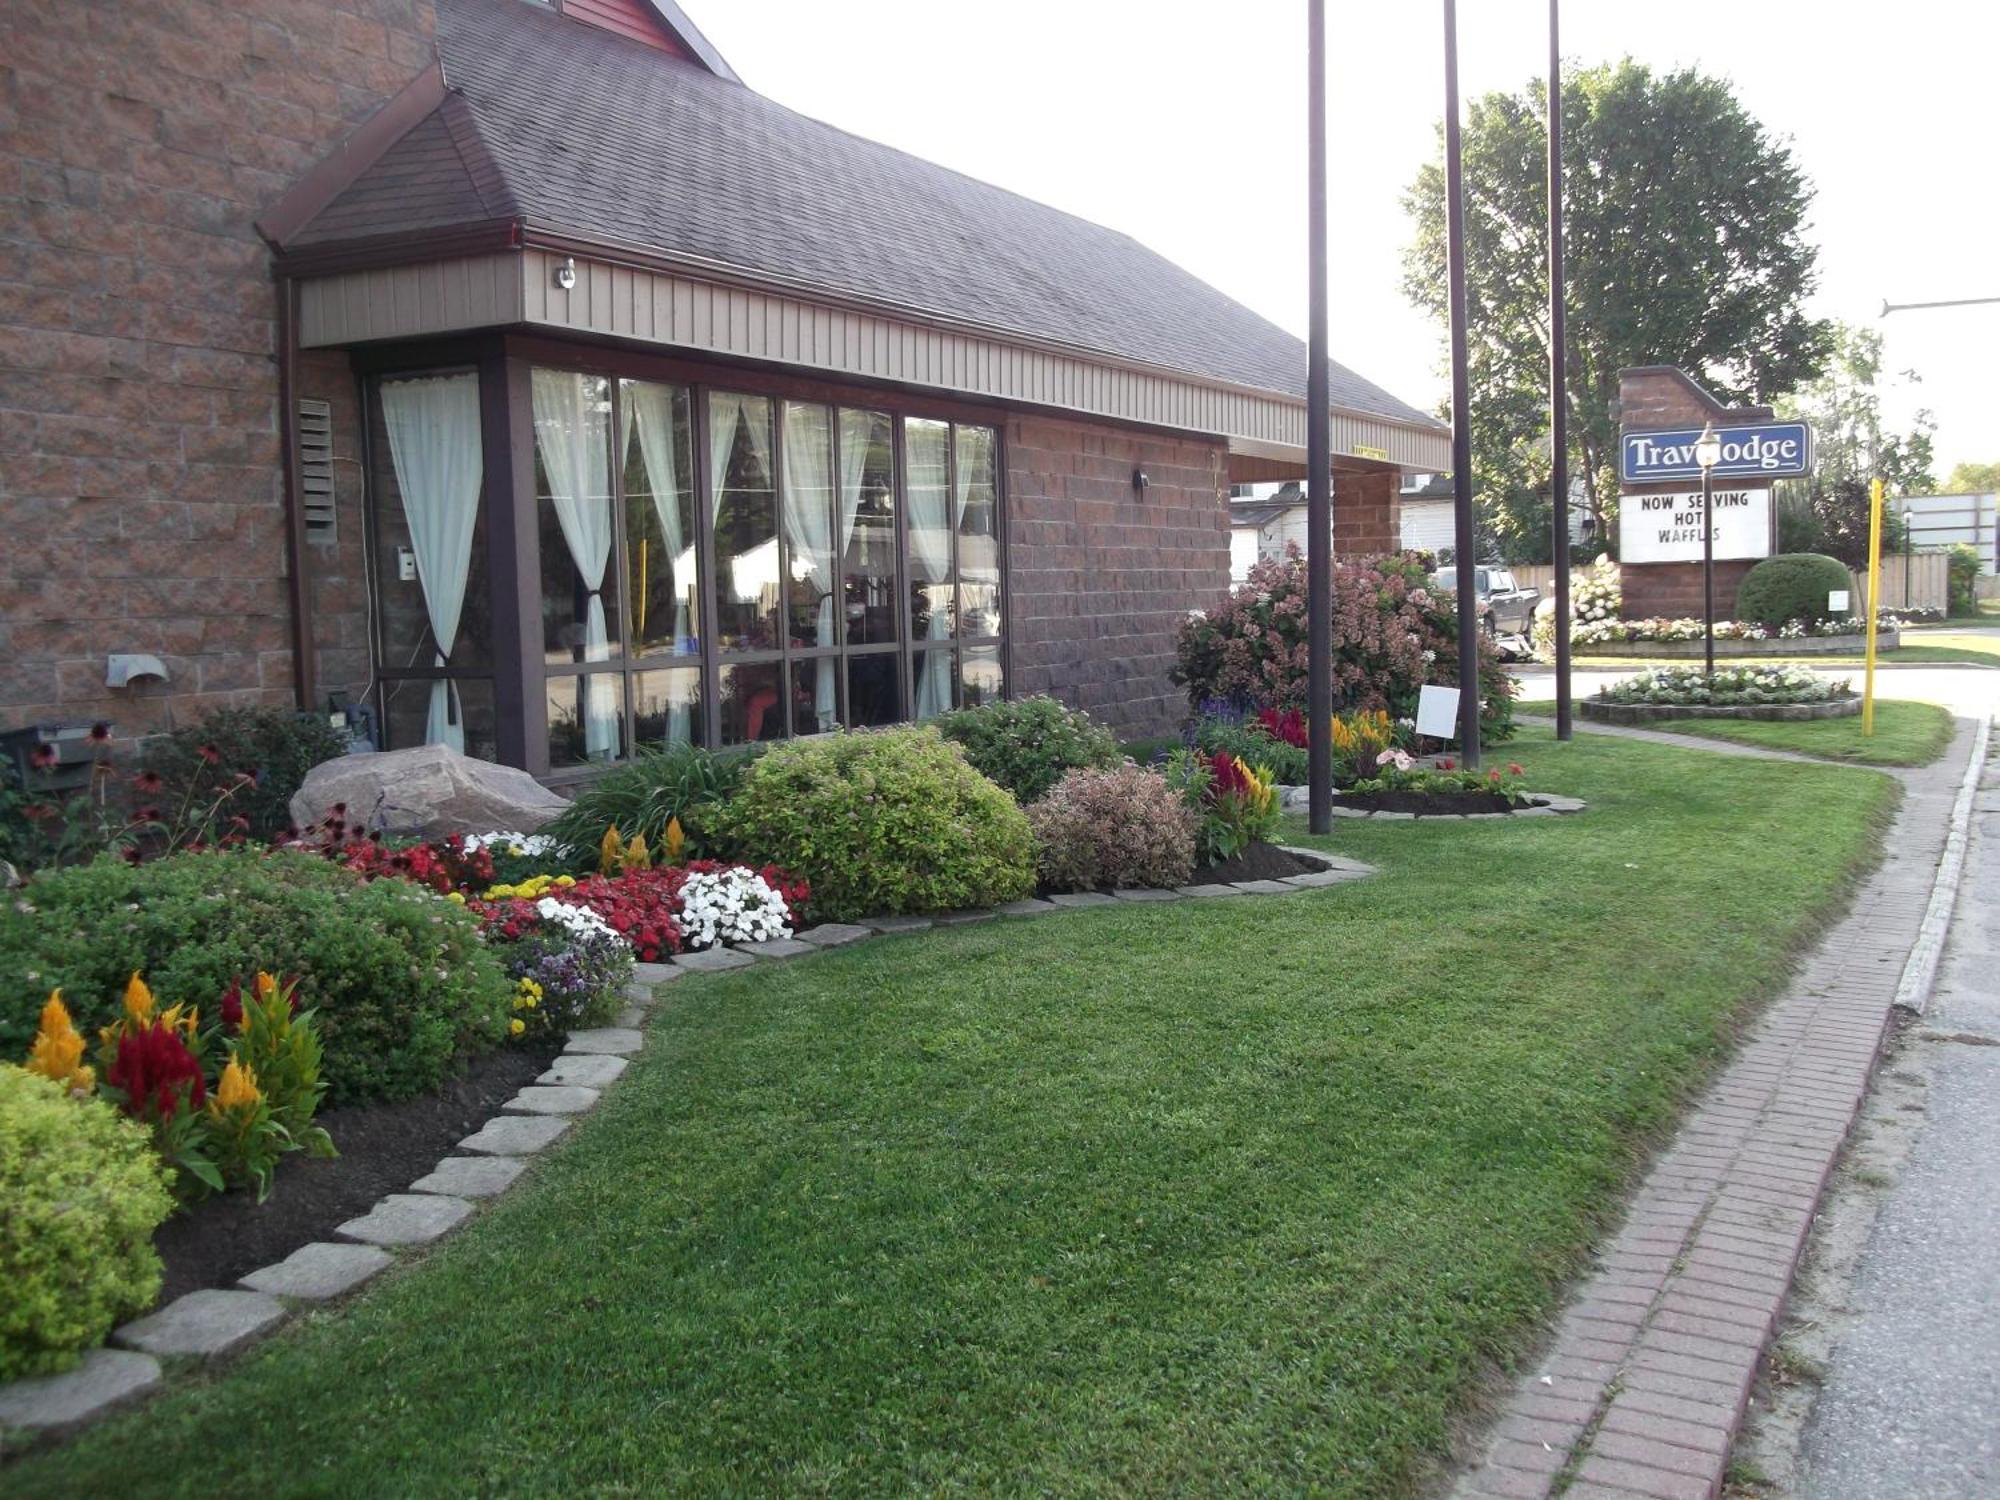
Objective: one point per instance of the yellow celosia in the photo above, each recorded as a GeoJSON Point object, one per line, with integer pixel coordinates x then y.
{"type": "Point", "coordinates": [138, 1001]}
{"type": "Point", "coordinates": [676, 840]}
{"type": "Point", "coordinates": [565, 881]}
{"type": "Point", "coordinates": [182, 1018]}
{"type": "Point", "coordinates": [267, 985]}
{"type": "Point", "coordinates": [635, 856]}
{"type": "Point", "coordinates": [57, 1053]}
{"type": "Point", "coordinates": [237, 1088]}
{"type": "Point", "coordinates": [609, 850]}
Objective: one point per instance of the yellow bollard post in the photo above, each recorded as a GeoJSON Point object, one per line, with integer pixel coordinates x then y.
{"type": "Point", "coordinates": [1874, 593]}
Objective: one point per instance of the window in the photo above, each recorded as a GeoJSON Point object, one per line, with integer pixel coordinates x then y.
{"type": "Point", "coordinates": [711, 567]}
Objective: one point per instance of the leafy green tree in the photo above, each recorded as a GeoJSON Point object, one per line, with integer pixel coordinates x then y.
{"type": "Point", "coordinates": [1844, 405]}
{"type": "Point", "coordinates": [1685, 239]}
{"type": "Point", "coordinates": [1972, 479]}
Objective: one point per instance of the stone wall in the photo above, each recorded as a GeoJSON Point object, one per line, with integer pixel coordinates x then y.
{"type": "Point", "coordinates": [140, 482]}
{"type": "Point", "coordinates": [1100, 575]}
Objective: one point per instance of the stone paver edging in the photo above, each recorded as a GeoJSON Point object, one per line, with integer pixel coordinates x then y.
{"type": "Point", "coordinates": [1653, 713]}
{"type": "Point", "coordinates": [1644, 1382]}
{"type": "Point", "coordinates": [212, 1323]}
{"type": "Point", "coordinates": [1542, 805]}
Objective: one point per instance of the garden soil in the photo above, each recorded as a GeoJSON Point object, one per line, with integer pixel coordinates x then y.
{"type": "Point", "coordinates": [383, 1149]}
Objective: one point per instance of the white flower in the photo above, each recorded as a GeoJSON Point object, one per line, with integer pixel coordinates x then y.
{"type": "Point", "coordinates": [735, 905]}
{"type": "Point", "coordinates": [526, 845]}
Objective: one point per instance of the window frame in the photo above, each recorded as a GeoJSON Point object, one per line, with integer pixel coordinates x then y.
{"type": "Point", "coordinates": [508, 495]}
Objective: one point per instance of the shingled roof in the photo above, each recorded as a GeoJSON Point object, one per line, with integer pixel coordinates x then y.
{"type": "Point", "coordinates": [565, 128]}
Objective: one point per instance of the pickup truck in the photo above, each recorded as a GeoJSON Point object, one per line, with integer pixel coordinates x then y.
{"type": "Point", "coordinates": [1504, 608]}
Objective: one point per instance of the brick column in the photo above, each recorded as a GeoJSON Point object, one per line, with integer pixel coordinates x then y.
{"type": "Point", "coordinates": [1366, 513]}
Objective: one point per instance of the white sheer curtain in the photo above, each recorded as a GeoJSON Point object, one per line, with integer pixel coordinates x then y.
{"type": "Point", "coordinates": [807, 510]}
{"type": "Point", "coordinates": [725, 414]}
{"type": "Point", "coordinates": [433, 427]}
{"type": "Point", "coordinates": [933, 518]}
{"type": "Point", "coordinates": [572, 426]}
{"type": "Point", "coordinates": [649, 411]}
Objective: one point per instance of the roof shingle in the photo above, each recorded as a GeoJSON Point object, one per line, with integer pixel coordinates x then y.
{"type": "Point", "coordinates": [572, 129]}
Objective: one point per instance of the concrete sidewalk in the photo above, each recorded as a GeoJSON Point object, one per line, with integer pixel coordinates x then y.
{"type": "Point", "coordinates": [1643, 1385]}
{"type": "Point", "coordinates": [1900, 1306]}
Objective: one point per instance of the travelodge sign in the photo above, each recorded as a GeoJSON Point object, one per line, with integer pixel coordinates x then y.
{"type": "Point", "coordinates": [1765, 450]}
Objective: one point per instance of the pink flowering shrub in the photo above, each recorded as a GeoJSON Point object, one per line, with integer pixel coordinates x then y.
{"type": "Point", "coordinates": [1124, 827]}
{"type": "Point", "coordinates": [1391, 635]}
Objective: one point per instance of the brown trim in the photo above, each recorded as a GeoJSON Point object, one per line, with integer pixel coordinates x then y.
{"type": "Point", "coordinates": [360, 150]}
{"type": "Point", "coordinates": [305, 676]}
{"type": "Point", "coordinates": [514, 562]}
{"type": "Point", "coordinates": [402, 248]}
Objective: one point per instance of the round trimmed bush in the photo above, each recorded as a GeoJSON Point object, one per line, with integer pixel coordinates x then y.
{"type": "Point", "coordinates": [84, 1192]}
{"type": "Point", "coordinates": [1791, 586]}
{"type": "Point", "coordinates": [1025, 744]}
{"type": "Point", "coordinates": [1123, 827]}
{"type": "Point", "coordinates": [401, 980]}
{"type": "Point", "coordinates": [882, 820]}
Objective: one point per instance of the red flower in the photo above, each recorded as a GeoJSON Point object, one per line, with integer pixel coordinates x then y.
{"type": "Point", "coordinates": [100, 733]}
{"type": "Point", "coordinates": [42, 757]}
{"type": "Point", "coordinates": [147, 814]}
{"type": "Point", "coordinates": [1514, 768]}
{"type": "Point", "coordinates": [148, 782]}
{"type": "Point", "coordinates": [210, 754]}
{"type": "Point", "coordinates": [1447, 764]}
{"type": "Point", "coordinates": [1492, 775]}
{"type": "Point", "coordinates": [156, 1072]}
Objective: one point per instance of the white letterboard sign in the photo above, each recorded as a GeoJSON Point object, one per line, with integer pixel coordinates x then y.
{"type": "Point", "coordinates": [1667, 528]}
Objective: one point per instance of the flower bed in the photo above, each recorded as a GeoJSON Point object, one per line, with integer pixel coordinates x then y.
{"type": "Point", "coordinates": [1730, 686]}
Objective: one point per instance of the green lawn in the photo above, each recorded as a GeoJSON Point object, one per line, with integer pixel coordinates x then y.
{"type": "Point", "coordinates": [1232, 1197]}
{"type": "Point", "coordinates": [1906, 734]}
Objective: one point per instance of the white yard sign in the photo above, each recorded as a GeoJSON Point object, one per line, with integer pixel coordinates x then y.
{"type": "Point", "coordinates": [1667, 528]}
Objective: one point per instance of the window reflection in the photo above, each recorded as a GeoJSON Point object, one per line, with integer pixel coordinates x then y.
{"type": "Point", "coordinates": [751, 707]}
{"type": "Point", "coordinates": [744, 501]}
{"type": "Point", "coordinates": [660, 530]}
{"type": "Point", "coordinates": [978, 500]}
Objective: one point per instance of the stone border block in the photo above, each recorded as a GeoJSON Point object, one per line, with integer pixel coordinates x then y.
{"type": "Point", "coordinates": [593, 1070]}
{"type": "Point", "coordinates": [890, 924]}
{"type": "Point", "coordinates": [1262, 887]}
{"type": "Point", "coordinates": [1145, 893]}
{"type": "Point", "coordinates": [470, 1176]}
{"type": "Point", "coordinates": [515, 1135]}
{"type": "Point", "coordinates": [315, 1272]}
{"type": "Point", "coordinates": [1029, 906]}
{"type": "Point", "coordinates": [1597, 710]}
{"type": "Point", "coordinates": [652, 974]}
{"type": "Point", "coordinates": [554, 1099]}
{"type": "Point", "coordinates": [1082, 898]}
{"type": "Point", "coordinates": [406, 1219]}
{"type": "Point", "coordinates": [1212, 889]}
{"type": "Point", "coordinates": [712, 960]}
{"type": "Point", "coordinates": [202, 1324]}
{"type": "Point", "coordinates": [106, 1379]}
{"type": "Point", "coordinates": [619, 1040]}
{"type": "Point", "coordinates": [778, 948]}
{"type": "Point", "coordinates": [834, 934]}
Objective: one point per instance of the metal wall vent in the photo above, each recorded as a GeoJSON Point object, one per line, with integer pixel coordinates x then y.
{"type": "Point", "coordinates": [316, 469]}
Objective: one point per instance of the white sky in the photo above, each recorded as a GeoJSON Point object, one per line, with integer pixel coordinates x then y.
{"type": "Point", "coordinates": [1183, 125]}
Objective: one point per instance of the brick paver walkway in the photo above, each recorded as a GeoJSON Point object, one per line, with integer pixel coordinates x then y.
{"type": "Point", "coordinates": [1644, 1382]}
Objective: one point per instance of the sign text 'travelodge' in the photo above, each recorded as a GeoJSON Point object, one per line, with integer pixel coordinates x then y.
{"type": "Point", "coordinates": [1768, 450]}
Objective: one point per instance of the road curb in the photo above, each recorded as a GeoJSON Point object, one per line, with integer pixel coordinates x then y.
{"type": "Point", "coordinates": [1914, 989]}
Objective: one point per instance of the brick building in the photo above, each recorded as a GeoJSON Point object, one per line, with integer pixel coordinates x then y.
{"type": "Point", "coordinates": [511, 370]}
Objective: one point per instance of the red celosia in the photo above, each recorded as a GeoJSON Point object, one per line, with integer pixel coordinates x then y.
{"type": "Point", "coordinates": [1227, 777]}
{"type": "Point", "coordinates": [231, 1006]}
{"type": "Point", "coordinates": [1288, 725]}
{"type": "Point", "coordinates": [156, 1071]}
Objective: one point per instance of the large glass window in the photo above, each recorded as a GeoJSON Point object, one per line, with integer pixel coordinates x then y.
{"type": "Point", "coordinates": [713, 567]}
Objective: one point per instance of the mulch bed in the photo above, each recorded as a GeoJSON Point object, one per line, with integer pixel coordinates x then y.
{"type": "Point", "coordinates": [383, 1149]}
{"type": "Point", "coordinates": [1259, 862]}
{"type": "Point", "coordinates": [1428, 804]}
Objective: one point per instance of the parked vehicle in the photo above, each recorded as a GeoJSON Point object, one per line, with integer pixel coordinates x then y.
{"type": "Point", "coordinates": [1504, 607]}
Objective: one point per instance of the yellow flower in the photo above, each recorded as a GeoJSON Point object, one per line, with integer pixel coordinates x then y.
{"type": "Point", "coordinates": [635, 856]}
{"type": "Point", "coordinates": [609, 848]}
{"type": "Point", "coordinates": [516, 1026]}
{"type": "Point", "coordinates": [181, 1018]}
{"type": "Point", "coordinates": [237, 1088]}
{"type": "Point", "coordinates": [565, 881]}
{"type": "Point", "coordinates": [676, 840]}
{"type": "Point", "coordinates": [457, 898]}
{"type": "Point", "coordinates": [57, 1053]}
{"type": "Point", "coordinates": [138, 1000]}
{"type": "Point", "coordinates": [267, 985]}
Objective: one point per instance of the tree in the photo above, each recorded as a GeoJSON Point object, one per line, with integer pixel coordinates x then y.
{"type": "Point", "coordinates": [1844, 405]}
{"type": "Point", "coordinates": [1834, 519]}
{"type": "Point", "coordinates": [1685, 239]}
{"type": "Point", "coordinates": [1972, 479]}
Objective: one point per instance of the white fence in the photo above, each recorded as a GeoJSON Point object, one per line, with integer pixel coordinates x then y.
{"type": "Point", "coordinates": [1911, 580]}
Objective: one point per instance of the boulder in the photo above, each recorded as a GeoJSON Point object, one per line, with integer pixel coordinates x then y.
{"type": "Point", "coordinates": [426, 791]}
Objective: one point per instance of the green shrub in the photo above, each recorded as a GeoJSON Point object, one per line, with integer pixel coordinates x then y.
{"type": "Point", "coordinates": [275, 745]}
{"type": "Point", "coordinates": [1122, 827]}
{"type": "Point", "coordinates": [1962, 575]}
{"type": "Point", "coordinates": [83, 1194]}
{"type": "Point", "coordinates": [884, 820]}
{"type": "Point", "coordinates": [1791, 586]}
{"type": "Point", "coordinates": [401, 982]}
{"type": "Point", "coordinates": [1026, 744]}
{"type": "Point", "coordinates": [643, 797]}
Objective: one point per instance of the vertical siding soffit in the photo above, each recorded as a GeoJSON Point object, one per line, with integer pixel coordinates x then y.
{"type": "Point", "coordinates": [357, 152]}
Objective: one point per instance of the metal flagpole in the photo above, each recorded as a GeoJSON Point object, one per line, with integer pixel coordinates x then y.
{"type": "Point", "coordinates": [1558, 376]}
{"type": "Point", "coordinates": [1319, 447]}
{"type": "Point", "coordinates": [1464, 556]}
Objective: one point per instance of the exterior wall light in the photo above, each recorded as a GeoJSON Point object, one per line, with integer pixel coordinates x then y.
{"type": "Point", "coordinates": [1140, 481]}
{"type": "Point", "coordinates": [566, 273]}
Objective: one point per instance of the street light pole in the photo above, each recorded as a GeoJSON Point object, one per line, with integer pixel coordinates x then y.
{"type": "Point", "coordinates": [1708, 453]}
{"type": "Point", "coordinates": [1465, 558]}
{"type": "Point", "coordinates": [1319, 448]}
